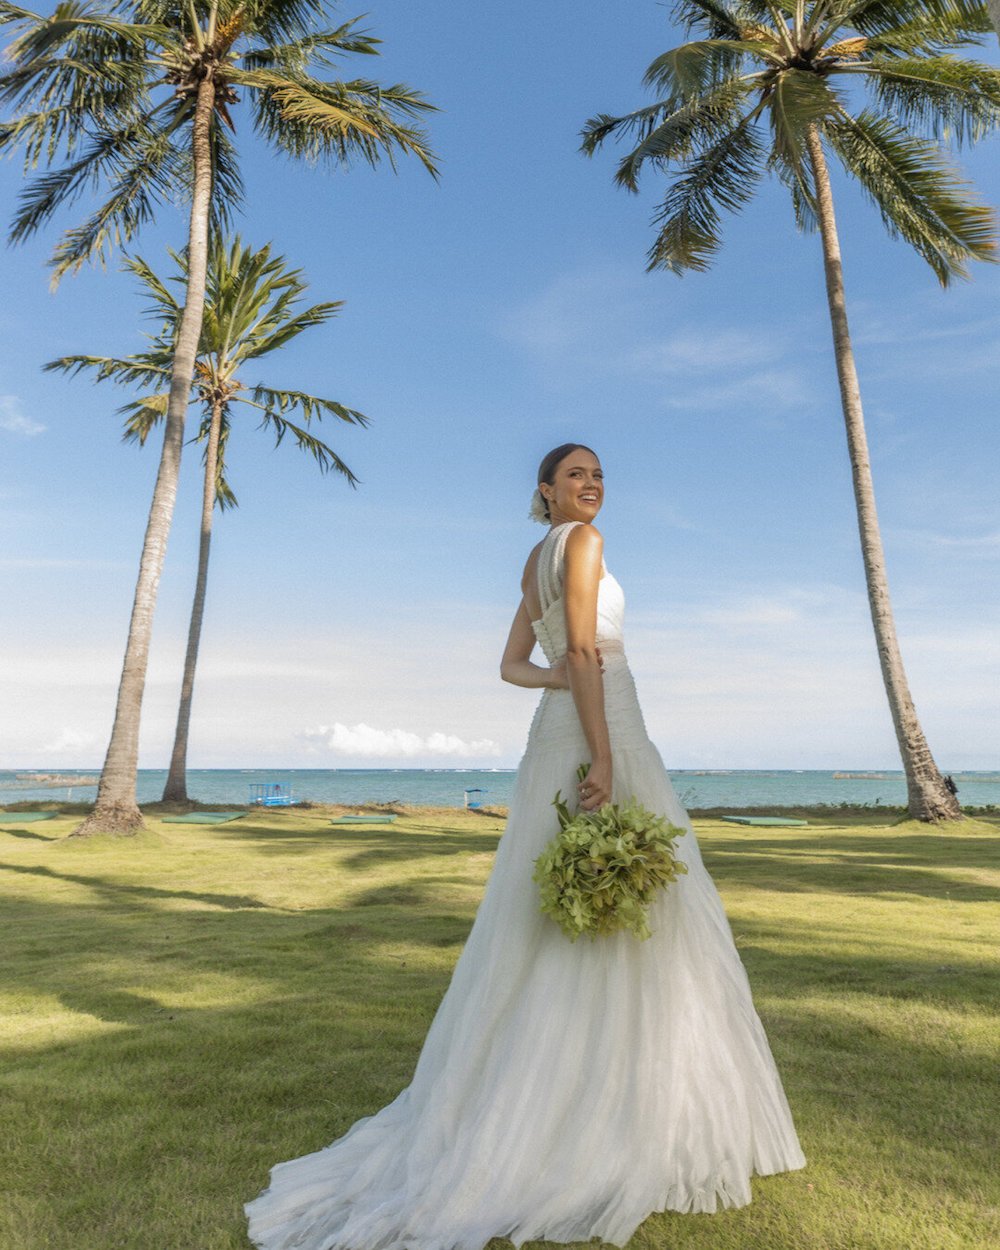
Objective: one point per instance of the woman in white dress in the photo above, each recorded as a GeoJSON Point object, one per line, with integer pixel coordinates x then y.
{"type": "Point", "coordinates": [565, 1090]}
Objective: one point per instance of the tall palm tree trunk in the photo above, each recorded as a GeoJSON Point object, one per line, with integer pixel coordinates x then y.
{"type": "Point", "coordinates": [175, 789]}
{"type": "Point", "coordinates": [928, 798]}
{"type": "Point", "coordinates": [116, 809]}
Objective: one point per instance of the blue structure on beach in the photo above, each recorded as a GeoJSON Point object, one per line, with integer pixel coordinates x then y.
{"type": "Point", "coordinates": [270, 794]}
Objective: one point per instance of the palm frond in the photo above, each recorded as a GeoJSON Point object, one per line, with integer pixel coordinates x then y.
{"type": "Point", "coordinates": [945, 96]}
{"type": "Point", "coordinates": [667, 128]}
{"type": "Point", "coordinates": [881, 17]}
{"type": "Point", "coordinates": [123, 371]}
{"type": "Point", "coordinates": [695, 125]}
{"type": "Point", "coordinates": [71, 22]}
{"type": "Point", "coordinates": [702, 65]}
{"type": "Point", "coordinates": [799, 181]}
{"type": "Point", "coordinates": [108, 153]}
{"type": "Point", "coordinates": [795, 102]}
{"type": "Point", "coordinates": [14, 13]}
{"type": "Point", "coordinates": [918, 193]}
{"type": "Point", "coordinates": [322, 47]}
{"type": "Point", "coordinates": [286, 21]}
{"type": "Point", "coordinates": [141, 180]}
{"type": "Point", "coordinates": [228, 194]}
{"type": "Point", "coordinates": [52, 104]}
{"type": "Point", "coordinates": [311, 407]}
{"type": "Point", "coordinates": [724, 176]}
{"type": "Point", "coordinates": [282, 328]}
{"type": "Point", "coordinates": [338, 121]}
{"type": "Point", "coordinates": [142, 416]}
{"type": "Point", "coordinates": [272, 417]}
{"type": "Point", "coordinates": [720, 20]}
{"type": "Point", "coordinates": [932, 34]}
{"type": "Point", "coordinates": [225, 497]}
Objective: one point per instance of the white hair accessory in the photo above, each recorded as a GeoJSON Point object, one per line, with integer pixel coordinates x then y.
{"type": "Point", "coordinates": [537, 511]}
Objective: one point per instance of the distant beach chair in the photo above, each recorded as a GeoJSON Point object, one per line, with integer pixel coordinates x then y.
{"type": "Point", "coordinates": [270, 794]}
{"type": "Point", "coordinates": [477, 801]}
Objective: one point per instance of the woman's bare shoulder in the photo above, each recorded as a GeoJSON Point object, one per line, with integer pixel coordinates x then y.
{"type": "Point", "coordinates": [584, 539]}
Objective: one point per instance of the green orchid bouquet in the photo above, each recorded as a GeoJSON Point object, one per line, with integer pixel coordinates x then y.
{"type": "Point", "coordinates": [601, 871]}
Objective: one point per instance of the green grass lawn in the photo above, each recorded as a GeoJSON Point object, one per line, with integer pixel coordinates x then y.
{"type": "Point", "coordinates": [183, 1009]}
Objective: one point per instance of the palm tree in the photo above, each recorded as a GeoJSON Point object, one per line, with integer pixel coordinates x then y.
{"type": "Point", "coordinates": [251, 309]}
{"type": "Point", "coordinates": [139, 96]}
{"type": "Point", "coordinates": [768, 89]}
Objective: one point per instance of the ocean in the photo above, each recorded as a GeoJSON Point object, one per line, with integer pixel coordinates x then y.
{"type": "Point", "coordinates": [446, 787]}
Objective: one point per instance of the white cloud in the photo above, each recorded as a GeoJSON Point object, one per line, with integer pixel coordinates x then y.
{"type": "Point", "coordinates": [68, 740]}
{"type": "Point", "coordinates": [983, 545]}
{"type": "Point", "coordinates": [13, 420]}
{"type": "Point", "coordinates": [365, 741]}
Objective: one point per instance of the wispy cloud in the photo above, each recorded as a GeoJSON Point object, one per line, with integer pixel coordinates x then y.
{"type": "Point", "coordinates": [601, 322]}
{"type": "Point", "coordinates": [14, 421]}
{"type": "Point", "coordinates": [980, 546]}
{"type": "Point", "coordinates": [764, 388]}
{"type": "Point", "coordinates": [68, 740]}
{"type": "Point", "coordinates": [365, 741]}
{"type": "Point", "coordinates": [690, 351]}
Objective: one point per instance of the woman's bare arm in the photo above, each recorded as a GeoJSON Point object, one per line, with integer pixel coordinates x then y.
{"type": "Point", "coordinates": [516, 666]}
{"type": "Point", "coordinates": [581, 578]}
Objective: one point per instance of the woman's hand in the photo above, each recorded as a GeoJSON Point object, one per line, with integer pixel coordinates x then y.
{"type": "Point", "coordinates": [560, 676]}
{"type": "Point", "coordinates": [595, 788]}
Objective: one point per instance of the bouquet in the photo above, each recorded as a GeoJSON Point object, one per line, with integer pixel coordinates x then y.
{"type": "Point", "coordinates": [602, 869]}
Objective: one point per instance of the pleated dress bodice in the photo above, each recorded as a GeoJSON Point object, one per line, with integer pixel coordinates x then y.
{"type": "Point", "coordinates": [556, 724]}
{"type": "Point", "coordinates": [550, 628]}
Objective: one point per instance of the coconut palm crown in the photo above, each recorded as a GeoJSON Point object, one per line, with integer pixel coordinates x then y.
{"type": "Point", "coordinates": [767, 75]}
{"type": "Point", "coordinates": [108, 92]}
{"type": "Point", "coordinates": [252, 308]}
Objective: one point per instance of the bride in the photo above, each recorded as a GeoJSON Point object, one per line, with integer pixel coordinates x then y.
{"type": "Point", "coordinates": [565, 1090]}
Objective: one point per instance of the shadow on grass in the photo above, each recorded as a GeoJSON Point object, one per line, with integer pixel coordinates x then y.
{"type": "Point", "coordinates": [122, 893]}
{"type": "Point", "coordinates": [926, 865]}
{"type": "Point", "coordinates": [33, 834]}
{"type": "Point", "coordinates": [369, 846]}
{"type": "Point", "coordinates": [945, 981]}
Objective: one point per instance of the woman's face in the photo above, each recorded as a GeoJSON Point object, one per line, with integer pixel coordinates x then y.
{"type": "Point", "coordinates": [577, 491]}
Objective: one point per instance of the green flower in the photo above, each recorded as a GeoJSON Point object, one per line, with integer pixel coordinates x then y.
{"type": "Point", "coordinates": [600, 873]}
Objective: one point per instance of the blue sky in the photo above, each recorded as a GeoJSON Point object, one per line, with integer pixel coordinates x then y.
{"type": "Point", "coordinates": [487, 318]}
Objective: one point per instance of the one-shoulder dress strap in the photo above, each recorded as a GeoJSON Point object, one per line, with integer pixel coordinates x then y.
{"type": "Point", "coordinates": [550, 563]}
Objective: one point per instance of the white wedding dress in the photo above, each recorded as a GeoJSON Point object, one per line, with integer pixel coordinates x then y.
{"type": "Point", "coordinates": [565, 1090]}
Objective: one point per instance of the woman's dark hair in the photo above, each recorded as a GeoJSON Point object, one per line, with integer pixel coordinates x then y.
{"type": "Point", "coordinates": [551, 462]}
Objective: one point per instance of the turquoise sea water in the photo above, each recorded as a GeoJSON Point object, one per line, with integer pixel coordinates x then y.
{"type": "Point", "coordinates": [444, 787]}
